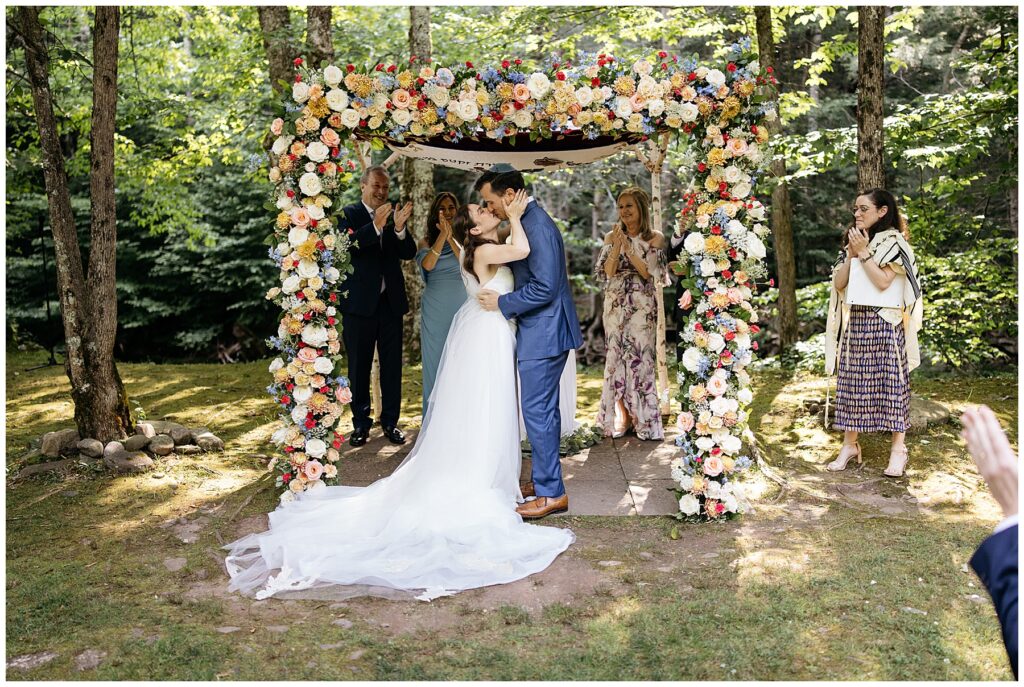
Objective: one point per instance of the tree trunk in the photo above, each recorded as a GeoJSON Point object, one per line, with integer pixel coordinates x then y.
{"type": "Point", "coordinates": [319, 46]}
{"type": "Point", "coordinates": [417, 181]}
{"type": "Point", "coordinates": [870, 90]}
{"type": "Point", "coordinates": [88, 306]}
{"type": "Point", "coordinates": [275, 22]}
{"type": "Point", "coordinates": [781, 208]}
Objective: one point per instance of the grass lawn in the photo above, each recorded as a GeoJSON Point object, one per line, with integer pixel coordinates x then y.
{"type": "Point", "coordinates": [833, 577]}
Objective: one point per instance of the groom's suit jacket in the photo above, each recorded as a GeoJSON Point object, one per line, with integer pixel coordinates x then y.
{"type": "Point", "coordinates": [374, 258]}
{"type": "Point", "coordinates": [995, 561]}
{"type": "Point", "coordinates": [542, 301]}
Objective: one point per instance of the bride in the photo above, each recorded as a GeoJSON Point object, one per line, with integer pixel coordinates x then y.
{"type": "Point", "coordinates": [445, 520]}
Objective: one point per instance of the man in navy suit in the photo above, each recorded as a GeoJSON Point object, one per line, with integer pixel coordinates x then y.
{"type": "Point", "coordinates": [995, 561]}
{"type": "Point", "coordinates": [373, 301]}
{"type": "Point", "coordinates": [547, 330]}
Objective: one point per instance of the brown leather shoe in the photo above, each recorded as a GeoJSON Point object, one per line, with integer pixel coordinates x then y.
{"type": "Point", "coordinates": [543, 505]}
{"type": "Point", "coordinates": [527, 489]}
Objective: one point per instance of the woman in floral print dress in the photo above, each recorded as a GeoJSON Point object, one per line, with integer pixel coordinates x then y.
{"type": "Point", "coordinates": [630, 268]}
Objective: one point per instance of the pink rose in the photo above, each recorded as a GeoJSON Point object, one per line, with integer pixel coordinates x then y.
{"type": "Point", "coordinates": [277, 126]}
{"type": "Point", "coordinates": [685, 422]}
{"type": "Point", "coordinates": [300, 217]}
{"type": "Point", "coordinates": [521, 92]}
{"type": "Point", "coordinates": [717, 386]}
{"type": "Point", "coordinates": [713, 466]}
{"type": "Point", "coordinates": [344, 395]}
{"type": "Point", "coordinates": [736, 146]}
{"type": "Point", "coordinates": [735, 295]}
{"type": "Point", "coordinates": [313, 469]}
{"type": "Point", "coordinates": [401, 99]}
{"type": "Point", "coordinates": [508, 110]}
{"type": "Point", "coordinates": [636, 101]}
{"type": "Point", "coordinates": [686, 300]}
{"type": "Point", "coordinates": [330, 138]}
{"type": "Point", "coordinates": [307, 354]}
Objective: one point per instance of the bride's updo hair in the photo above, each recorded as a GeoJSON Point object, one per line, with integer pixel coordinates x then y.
{"type": "Point", "coordinates": [460, 230]}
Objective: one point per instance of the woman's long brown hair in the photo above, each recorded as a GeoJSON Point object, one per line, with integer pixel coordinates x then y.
{"type": "Point", "coordinates": [461, 225]}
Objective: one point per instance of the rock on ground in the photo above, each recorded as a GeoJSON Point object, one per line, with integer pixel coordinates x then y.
{"type": "Point", "coordinates": [125, 462]}
{"type": "Point", "coordinates": [91, 448]}
{"type": "Point", "coordinates": [161, 445]}
{"type": "Point", "coordinates": [55, 443]}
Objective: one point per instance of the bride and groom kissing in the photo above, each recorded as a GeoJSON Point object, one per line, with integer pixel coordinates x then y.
{"type": "Point", "coordinates": [447, 519]}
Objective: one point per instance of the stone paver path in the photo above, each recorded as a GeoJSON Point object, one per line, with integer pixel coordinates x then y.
{"type": "Point", "coordinates": [614, 477]}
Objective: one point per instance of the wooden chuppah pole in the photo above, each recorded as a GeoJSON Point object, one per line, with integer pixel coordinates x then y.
{"type": "Point", "coordinates": [654, 160]}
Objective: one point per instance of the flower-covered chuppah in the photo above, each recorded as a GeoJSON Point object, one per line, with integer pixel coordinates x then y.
{"type": "Point", "coordinates": [585, 104]}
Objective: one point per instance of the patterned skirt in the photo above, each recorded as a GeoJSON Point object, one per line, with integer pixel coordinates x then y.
{"type": "Point", "coordinates": [873, 387]}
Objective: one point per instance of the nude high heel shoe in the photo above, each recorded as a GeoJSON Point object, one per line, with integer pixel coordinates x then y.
{"type": "Point", "coordinates": [843, 459]}
{"type": "Point", "coordinates": [897, 462]}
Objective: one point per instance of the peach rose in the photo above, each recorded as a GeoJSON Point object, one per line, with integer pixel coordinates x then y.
{"type": "Point", "coordinates": [636, 101]}
{"type": "Point", "coordinates": [401, 99]}
{"type": "Point", "coordinates": [300, 217]}
{"type": "Point", "coordinates": [298, 149]}
{"type": "Point", "coordinates": [717, 385]}
{"type": "Point", "coordinates": [307, 355]}
{"type": "Point", "coordinates": [330, 138]}
{"type": "Point", "coordinates": [277, 126]}
{"type": "Point", "coordinates": [685, 422]}
{"type": "Point", "coordinates": [344, 395]}
{"type": "Point", "coordinates": [713, 466]}
{"type": "Point", "coordinates": [735, 295]}
{"type": "Point", "coordinates": [313, 469]}
{"type": "Point", "coordinates": [686, 300]}
{"type": "Point", "coordinates": [737, 146]}
{"type": "Point", "coordinates": [521, 92]}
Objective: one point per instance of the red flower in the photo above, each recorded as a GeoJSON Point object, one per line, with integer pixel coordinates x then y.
{"type": "Point", "coordinates": [335, 152]}
{"type": "Point", "coordinates": [286, 477]}
{"type": "Point", "coordinates": [388, 105]}
{"type": "Point", "coordinates": [716, 230]}
{"type": "Point", "coordinates": [518, 105]}
{"type": "Point", "coordinates": [601, 63]}
{"type": "Point", "coordinates": [286, 400]}
{"type": "Point", "coordinates": [307, 316]}
{"type": "Point", "coordinates": [289, 386]}
{"type": "Point", "coordinates": [726, 274]}
{"type": "Point", "coordinates": [698, 327]}
{"type": "Point", "coordinates": [664, 66]}
{"type": "Point", "coordinates": [362, 122]}
{"type": "Point", "coordinates": [518, 62]}
{"type": "Point", "coordinates": [555, 65]}
{"type": "Point", "coordinates": [716, 451]}
{"type": "Point", "coordinates": [731, 67]}
{"type": "Point", "coordinates": [560, 76]}
{"type": "Point", "coordinates": [719, 507]}
{"type": "Point", "coordinates": [662, 55]}
{"type": "Point", "coordinates": [420, 81]}
{"type": "Point", "coordinates": [350, 68]}
{"type": "Point", "coordinates": [753, 129]}
{"type": "Point", "coordinates": [469, 65]}
{"type": "Point", "coordinates": [754, 345]}
{"type": "Point", "coordinates": [298, 78]}
{"type": "Point", "coordinates": [351, 231]}
{"type": "Point", "coordinates": [336, 444]}
{"type": "Point", "coordinates": [505, 64]}
{"type": "Point", "coordinates": [290, 193]}
{"type": "Point", "coordinates": [379, 67]}
{"type": "Point", "coordinates": [769, 70]}
{"type": "Point", "coordinates": [722, 186]}
{"type": "Point", "coordinates": [297, 61]}
{"type": "Point", "coordinates": [392, 68]}
{"type": "Point", "coordinates": [692, 76]}
{"type": "Point", "coordinates": [702, 167]}
{"type": "Point", "coordinates": [754, 328]}
{"type": "Point", "coordinates": [771, 282]}
{"type": "Point", "coordinates": [595, 82]}
{"type": "Point", "coordinates": [333, 298]}
{"type": "Point", "coordinates": [331, 321]}
{"type": "Point", "coordinates": [313, 224]}
{"type": "Point", "coordinates": [324, 389]}
{"type": "Point", "coordinates": [412, 59]}
{"type": "Point", "coordinates": [320, 245]}
{"type": "Point", "coordinates": [421, 104]}
{"type": "Point", "coordinates": [310, 424]}
{"type": "Point", "coordinates": [300, 296]}
{"type": "Point", "coordinates": [729, 336]}
{"type": "Point", "coordinates": [732, 253]}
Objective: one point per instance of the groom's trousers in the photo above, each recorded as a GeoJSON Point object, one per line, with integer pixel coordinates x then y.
{"type": "Point", "coordinates": [382, 332]}
{"type": "Point", "coordinates": [539, 393]}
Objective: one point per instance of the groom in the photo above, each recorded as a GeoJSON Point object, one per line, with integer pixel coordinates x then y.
{"type": "Point", "coordinates": [548, 329]}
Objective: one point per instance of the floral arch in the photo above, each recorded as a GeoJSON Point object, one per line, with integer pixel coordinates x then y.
{"type": "Point", "coordinates": [560, 114]}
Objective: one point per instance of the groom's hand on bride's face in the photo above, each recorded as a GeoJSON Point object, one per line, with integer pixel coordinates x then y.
{"type": "Point", "coordinates": [488, 299]}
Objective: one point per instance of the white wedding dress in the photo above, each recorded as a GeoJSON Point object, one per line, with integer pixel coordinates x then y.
{"type": "Point", "coordinates": [445, 520]}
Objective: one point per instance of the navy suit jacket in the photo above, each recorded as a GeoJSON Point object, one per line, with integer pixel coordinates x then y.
{"type": "Point", "coordinates": [542, 302]}
{"type": "Point", "coordinates": [373, 257]}
{"type": "Point", "coordinates": [995, 561]}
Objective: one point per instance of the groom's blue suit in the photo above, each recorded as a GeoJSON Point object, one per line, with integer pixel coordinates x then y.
{"type": "Point", "coordinates": [548, 330]}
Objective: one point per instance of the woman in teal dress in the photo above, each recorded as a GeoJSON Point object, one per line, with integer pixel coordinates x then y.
{"type": "Point", "coordinates": [443, 291]}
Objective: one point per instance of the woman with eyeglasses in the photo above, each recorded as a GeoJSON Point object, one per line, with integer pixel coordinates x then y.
{"type": "Point", "coordinates": [873, 348]}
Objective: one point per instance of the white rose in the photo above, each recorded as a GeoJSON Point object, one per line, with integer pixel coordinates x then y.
{"type": "Point", "coordinates": [705, 444]}
{"type": "Point", "coordinates": [284, 202]}
{"type": "Point", "coordinates": [688, 112]}
{"type": "Point", "coordinates": [623, 108]}
{"type": "Point", "coordinates": [332, 275]}
{"type": "Point", "coordinates": [719, 406]}
{"type": "Point", "coordinates": [440, 97]}
{"type": "Point", "coordinates": [715, 77]}
{"type": "Point", "coordinates": [689, 505]}
{"type": "Point", "coordinates": [308, 269]}
{"type": "Point", "coordinates": [296, 237]}
{"type": "Point", "coordinates": [317, 151]}
{"type": "Point", "coordinates": [735, 228]}
{"type": "Point", "coordinates": [281, 143]}
{"type": "Point", "coordinates": [309, 167]}
{"type": "Point", "coordinates": [741, 190]}
{"type": "Point", "coordinates": [691, 359]}
{"type": "Point", "coordinates": [310, 184]}
{"type": "Point", "coordinates": [539, 84]}
{"type": "Point", "coordinates": [742, 341]}
{"type": "Point", "coordinates": [276, 364]}
{"type": "Point", "coordinates": [716, 342]}
{"type": "Point", "coordinates": [401, 117]}
{"type": "Point", "coordinates": [755, 248]}
{"type": "Point", "coordinates": [732, 174]}
{"type": "Point", "coordinates": [730, 503]}
{"type": "Point", "coordinates": [291, 284]}
{"type": "Point", "coordinates": [713, 490]}
{"type": "Point", "coordinates": [300, 92]}
{"type": "Point", "coordinates": [316, 448]}
{"type": "Point", "coordinates": [757, 212]}
{"type": "Point", "coordinates": [315, 212]}
{"type": "Point", "coordinates": [745, 396]}
{"type": "Point", "coordinates": [350, 118]}
{"type": "Point", "coordinates": [655, 107]}
{"type": "Point", "coordinates": [337, 99]}
{"type": "Point", "coordinates": [468, 110]}
{"type": "Point", "coordinates": [707, 267]}
{"type": "Point", "coordinates": [584, 96]}
{"type": "Point", "coordinates": [686, 482]}
{"type": "Point", "coordinates": [754, 67]}
{"type": "Point", "coordinates": [314, 335]}
{"type": "Point", "coordinates": [332, 75]}
{"type": "Point", "coordinates": [694, 243]}
{"type": "Point", "coordinates": [323, 365]}
{"type": "Point", "coordinates": [287, 497]}
{"type": "Point", "coordinates": [299, 413]}
{"type": "Point", "coordinates": [522, 119]}
{"type": "Point", "coordinates": [731, 445]}
{"type": "Point", "coordinates": [302, 394]}
{"type": "Point", "coordinates": [642, 67]}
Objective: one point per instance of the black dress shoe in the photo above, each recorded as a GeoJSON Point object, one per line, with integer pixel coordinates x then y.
{"type": "Point", "coordinates": [358, 437]}
{"type": "Point", "coordinates": [394, 435]}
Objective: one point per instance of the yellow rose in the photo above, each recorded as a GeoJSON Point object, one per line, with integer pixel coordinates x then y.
{"type": "Point", "coordinates": [297, 484]}
{"type": "Point", "coordinates": [716, 156]}
{"type": "Point", "coordinates": [281, 376]}
{"type": "Point", "coordinates": [762, 134]}
{"type": "Point", "coordinates": [729, 464]}
{"type": "Point", "coordinates": [715, 245]}
{"type": "Point", "coordinates": [711, 184]}
{"type": "Point", "coordinates": [697, 393]}
{"type": "Point", "coordinates": [624, 85]}
{"type": "Point", "coordinates": [301, 379]}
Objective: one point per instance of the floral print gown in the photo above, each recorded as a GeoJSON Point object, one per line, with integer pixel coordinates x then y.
{"type": "Point", "coordinates": [631, 326]}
